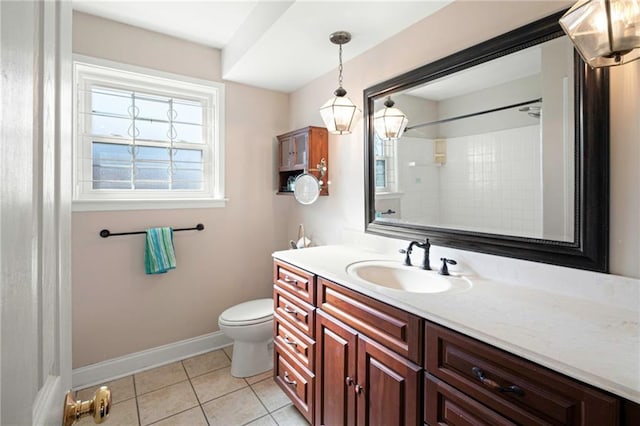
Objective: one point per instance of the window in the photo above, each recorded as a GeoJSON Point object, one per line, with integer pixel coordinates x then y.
{"type": "Point", "coordinates": [385, 179]}
{"type": "Point", "coordinates": [145, 139]}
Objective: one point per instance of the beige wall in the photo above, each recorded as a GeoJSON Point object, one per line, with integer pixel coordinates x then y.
{"type": "Point", "coordinates": [117, 309]}
{"type": "Point", "coordinates": [339, 218]}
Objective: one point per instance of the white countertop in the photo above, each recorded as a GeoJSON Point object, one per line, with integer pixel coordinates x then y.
{"type": "Point", "coordinates": [593, 342]}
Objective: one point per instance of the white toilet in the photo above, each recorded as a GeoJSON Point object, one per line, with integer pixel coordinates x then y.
{"type": "Point", "coordinates": [250, 325]}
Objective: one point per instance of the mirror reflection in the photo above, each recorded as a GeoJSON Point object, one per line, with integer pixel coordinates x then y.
{"type": "Point", "coordinates": [489, 149]}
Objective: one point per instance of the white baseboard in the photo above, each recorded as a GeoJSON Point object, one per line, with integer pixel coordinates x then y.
{"type": "Point", "coordinates": [115, 368]}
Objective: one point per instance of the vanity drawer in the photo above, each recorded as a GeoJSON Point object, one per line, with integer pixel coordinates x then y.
{"type": "Point", "coordinates": [296, 381]}
{"type": "Point", "coordinates": [519, 390]}
{"type": "Point", "coordinates": [444, 405]}
{"type": "Point", "coordinates": [294, 311]}
{"type": "Point", "coordinates": [394, 328]}
{"type": "Point", "coordinates": [297, 345]}
{"type": "Point", "coordinates": [295, 280]}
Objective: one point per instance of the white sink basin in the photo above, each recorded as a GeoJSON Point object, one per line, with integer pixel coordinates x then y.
{"type": "Point", "coordinates": [393, 275]}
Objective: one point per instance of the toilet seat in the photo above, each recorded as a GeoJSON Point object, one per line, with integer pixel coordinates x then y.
{"type": "Point", "coordinates": [248, 313]}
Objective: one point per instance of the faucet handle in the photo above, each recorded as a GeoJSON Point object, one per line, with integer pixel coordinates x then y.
{"type": "Point", "coordinates": [407, 258]}
{"type": "Point", "coordinates": [445, 269]}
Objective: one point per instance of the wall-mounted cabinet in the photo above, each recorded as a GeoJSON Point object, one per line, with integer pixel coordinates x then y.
{"type": "Point", "coordinates": [301, 151]}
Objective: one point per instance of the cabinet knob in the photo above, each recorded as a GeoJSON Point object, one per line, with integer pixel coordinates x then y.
{"type": "Point", "coordinates": [348, 381]}
{"type": "Point", "coordinates": [358, 389]}
{"type": "Point", "coordinates": [493, 385]}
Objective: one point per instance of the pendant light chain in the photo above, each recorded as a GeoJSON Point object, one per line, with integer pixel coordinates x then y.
{"type": "Point", "coordinates": [340, 66]}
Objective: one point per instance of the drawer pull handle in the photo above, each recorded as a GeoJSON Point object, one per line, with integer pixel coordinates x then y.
{"type": "Point", "coordinates": [493, 385]}
{"type": "Point", "coordinates": [288, 309]}
{"type": "Point", "coordinates": [289, 280]}
{"type": "Point", "coordinates": [358, 389]}
{"type": "Point", "coordinates": [348, 381]}
{"type": "Point", "coordinates": [289, 341]}
{"type": "Point", "coordinates": [287, 380]}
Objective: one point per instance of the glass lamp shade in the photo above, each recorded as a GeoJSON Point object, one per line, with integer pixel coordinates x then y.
{"type": "Point", "coordinates": [339, 115]}
{"type": "Point", "coordinates": [389, 123]}
{"type": "Point", "coordinates": [605, 32]}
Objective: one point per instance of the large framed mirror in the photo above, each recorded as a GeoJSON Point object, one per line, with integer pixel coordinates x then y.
{"type": "Point", "coordinates": [506, 151]}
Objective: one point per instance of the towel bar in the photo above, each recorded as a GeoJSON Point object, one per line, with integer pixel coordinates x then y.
{"type": "Point", "coordinates": [106, 233]}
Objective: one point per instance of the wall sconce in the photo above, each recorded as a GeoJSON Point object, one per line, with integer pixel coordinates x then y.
{"type": "Point", "coordinates": [605, 32]}
{"type": "Point", "coordinates": [389, 122]}
{"type": "Point", "coordinates": [339, 113]}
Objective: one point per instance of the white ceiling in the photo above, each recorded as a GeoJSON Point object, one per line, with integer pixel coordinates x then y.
{"type": "Point", "coordinates": [278, 45]}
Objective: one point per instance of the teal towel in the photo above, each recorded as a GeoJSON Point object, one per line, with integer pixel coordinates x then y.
{"type": "Point", "coordinates": [159, 255]}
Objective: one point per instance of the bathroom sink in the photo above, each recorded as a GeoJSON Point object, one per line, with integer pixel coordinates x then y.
{"type": "Point", "coordinates": [396, 276]}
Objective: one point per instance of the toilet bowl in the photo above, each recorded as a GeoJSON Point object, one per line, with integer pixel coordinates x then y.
{"type": "Point", "coordinates": [250, 325]}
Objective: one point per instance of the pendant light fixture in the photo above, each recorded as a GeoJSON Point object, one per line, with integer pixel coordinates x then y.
{"type": "Point", "coordinates": [389, 122]}
{"type": "Point", "coordinates": [339, 113]}
{"type": "Point", "coordinates": [605, 32]}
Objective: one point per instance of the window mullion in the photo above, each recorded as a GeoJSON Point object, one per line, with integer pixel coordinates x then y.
{"type": "Point", "coordinates": [170, 167]}
{"type": "Point", "coordinates": [134, 149]}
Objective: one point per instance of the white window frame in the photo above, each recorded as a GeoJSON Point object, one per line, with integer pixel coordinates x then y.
{"type": "Point", "coordinates": [390, 165]}
{"type": "Point", "coordinates": [87, 70]}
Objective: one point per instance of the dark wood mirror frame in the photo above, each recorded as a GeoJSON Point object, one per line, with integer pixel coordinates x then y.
{"type": "Point", "coordinates": [590, 248]}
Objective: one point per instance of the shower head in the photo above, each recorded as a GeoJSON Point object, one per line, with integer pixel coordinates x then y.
{"type": "Point", "coordinates": [532, 111]}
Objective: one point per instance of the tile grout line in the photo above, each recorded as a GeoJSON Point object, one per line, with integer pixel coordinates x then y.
{"type": "Point", "coordinates": [135, 393]}
{"type": "Point", "coordinates": [260, 400]}
{"type": "Point", "coordinates": [206, 419]}
{"type": "Point", "coordinates": [187, 409]}
{"type": "Point", "coordinates": [261, 417]}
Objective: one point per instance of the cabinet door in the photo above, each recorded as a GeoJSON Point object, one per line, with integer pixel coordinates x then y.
{"type": "Point", "coordinates": [300, 144]}
{"type": "Point", "coordinates": [388, 388]}
{"type": "Point", "coordinates": [335, 372]}
{"type": "Point", "coordinates": [286, 153]}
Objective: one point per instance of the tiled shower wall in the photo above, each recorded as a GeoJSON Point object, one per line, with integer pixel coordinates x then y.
{"type": "Point", "coordinates": [493, 182]}
{"type": "Point", "coordinates": [418, 181]}
{"type": "Point", "coordinates": [490, 182]}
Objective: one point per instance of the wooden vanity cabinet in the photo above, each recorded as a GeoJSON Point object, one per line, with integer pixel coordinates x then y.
{"type": "Point", "coordinates": [300, 151]}
{"type": "Point", "coordinates": [344, 358]}
{"type": "Point", "coordinates": [463, 372]}
{"type": "Point", "coordinates": [360, 381]}
{"type": "Point", "coordinates": [293, 330]}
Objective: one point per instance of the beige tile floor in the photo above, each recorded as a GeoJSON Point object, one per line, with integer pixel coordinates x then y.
{"type": "Point", "coordinates": [197, 391]}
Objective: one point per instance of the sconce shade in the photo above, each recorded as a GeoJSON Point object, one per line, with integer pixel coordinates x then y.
{"type": "Point", "coordinates": [339, 114]}
{"type": "Point", "coordinates": [605, 32]}
{"type": "Point", "coordinates": [389, 122]}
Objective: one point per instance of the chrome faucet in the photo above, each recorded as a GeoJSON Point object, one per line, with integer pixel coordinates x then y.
{"type": "Point", "coordinates": [425, 246]}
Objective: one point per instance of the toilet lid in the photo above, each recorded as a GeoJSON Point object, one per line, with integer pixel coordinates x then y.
{"type": "Point", "coordinates": [253, 311]}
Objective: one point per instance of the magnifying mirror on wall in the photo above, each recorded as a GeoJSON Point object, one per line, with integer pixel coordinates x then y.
{"type": "Point", "coordinates": [306, 189]}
